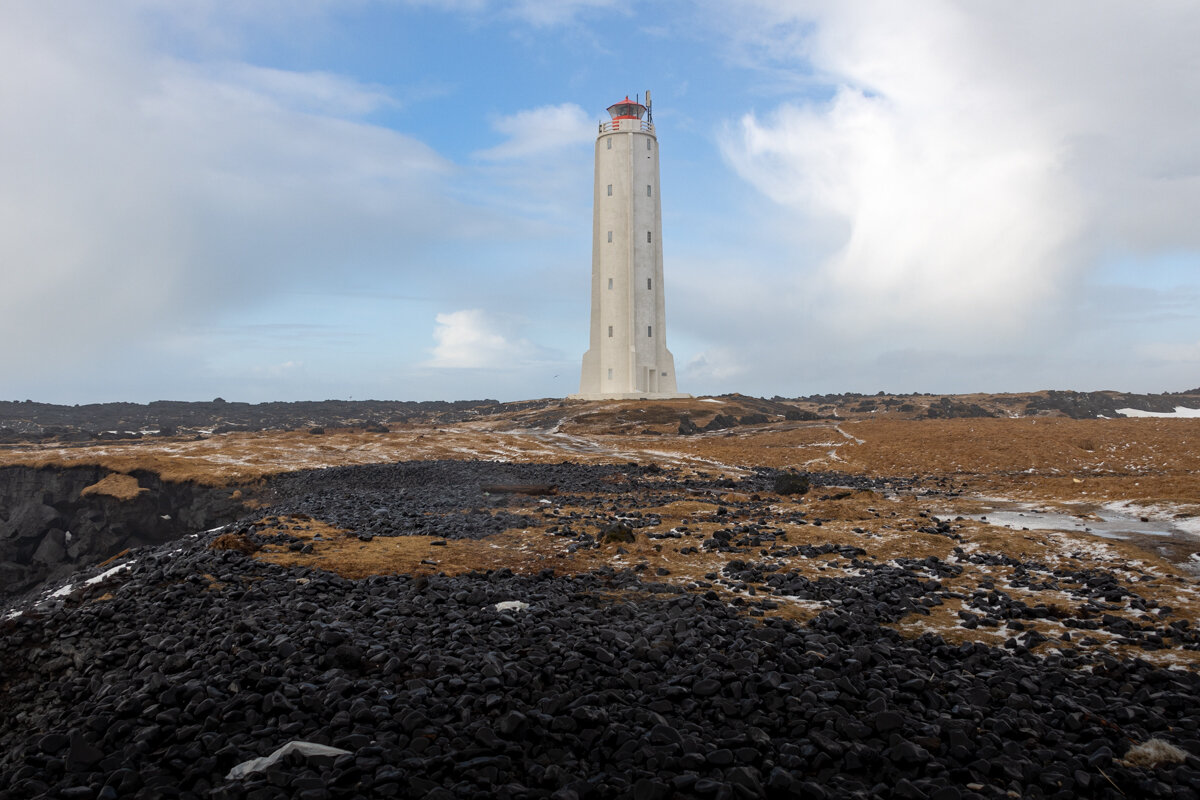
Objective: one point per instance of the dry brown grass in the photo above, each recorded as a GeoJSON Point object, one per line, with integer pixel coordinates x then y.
{"type": "Point", "coordinates": [235, 542]}
{"type": "Point", "coordinates": [1054, 462]}
{"type": "Point", "coordinates": [122, 487]}
{"type": "Point", "coordinates": [114, 558]}
{"type": "Point", "coordinates": [1144, 460]}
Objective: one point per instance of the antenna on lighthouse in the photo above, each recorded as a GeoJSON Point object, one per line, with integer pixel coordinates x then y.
{"type": "Point", "coordinates": [649, 110]}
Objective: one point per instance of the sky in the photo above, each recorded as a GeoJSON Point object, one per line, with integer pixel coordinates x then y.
{"type": "Point", "coordinates": [391, 199]}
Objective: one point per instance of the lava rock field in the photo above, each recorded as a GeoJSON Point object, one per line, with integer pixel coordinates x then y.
{"type": "Point", "coordinates": [183, 661]}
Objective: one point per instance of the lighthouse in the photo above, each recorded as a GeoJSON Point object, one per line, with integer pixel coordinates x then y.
{"type": "Point", "coordinates": [627, 355]}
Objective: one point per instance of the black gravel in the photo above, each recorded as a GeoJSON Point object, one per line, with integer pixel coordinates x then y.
{"type": "Point", "coordinates": [608, 685]}
{"type": "Point", "coordinates": [440, 498]}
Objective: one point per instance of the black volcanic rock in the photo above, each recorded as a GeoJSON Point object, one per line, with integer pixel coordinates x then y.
{"type": "Point", "coordinates": [446, 696]}
{"type": "Point", "coordinates": [792, 483]}
{"type": "Point", "coordinates": [28, 421]}
{"type": "Point", "coordinates": [49, 529]}
{"type": "Point", "coordinates": [189, 661]}
{"type": "Point", "coordinates": [720, 422]}
{"type": "Point", "coordinates": [955, 409]}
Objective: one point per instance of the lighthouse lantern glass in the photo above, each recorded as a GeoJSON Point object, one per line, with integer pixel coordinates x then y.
{"type": "Point", "coordinates": [627, 110]}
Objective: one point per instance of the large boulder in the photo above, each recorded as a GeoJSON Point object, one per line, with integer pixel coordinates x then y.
{"type": "Point", "coordinates": [720, 422]}
{"type": "Point", "coordinates": [29, 519]}
{"type": "Point", "coordinates": [618, 533]}
{"type": "Point", "coordinates": [792, 483]}
{"type": "Point", "coordinates": [53, 547]}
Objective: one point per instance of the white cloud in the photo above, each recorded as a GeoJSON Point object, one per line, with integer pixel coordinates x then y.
{"type": "Point", "coordinates": [537, 13]}
{"type": "Point", "coordinates": [715, 365]}
{"type": "Point", "coordinates": [1172, 352]}
{"type": "Point", "coordinates": [975, 158]}
{"type": "Point", "coordinates": [277, 370]}
{"type": "Point", "coordinates": [144, 194]}
{"type": "Point", "coordinates": [476, 339]}
{"type": "Point", "coordinates": [540, 132]}
{"type": "Point", "coordinates": [311, 92]}
{"type": "Point", "coordinates": [541, 171]}
{"type": "Point", "coordinates": [541, 13]}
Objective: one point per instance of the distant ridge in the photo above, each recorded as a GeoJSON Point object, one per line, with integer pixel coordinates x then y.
{"type": "Point", "coordinates": [31, 421]}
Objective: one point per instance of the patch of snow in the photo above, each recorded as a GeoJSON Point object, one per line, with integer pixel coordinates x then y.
{"type": "Point", "coordinates": [1180, 412]}
{"type": "Point", "coordinates": [851, 437]}
{"type": "Point", "coordinates": [68, 588]}
{"type": "Point", "coordinates": [1163, 513]}
{"type": "Point", "coordinates": [113, 571]}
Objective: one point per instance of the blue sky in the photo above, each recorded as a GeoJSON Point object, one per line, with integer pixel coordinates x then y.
{"type": "Point", "coordinates": [303, 200]}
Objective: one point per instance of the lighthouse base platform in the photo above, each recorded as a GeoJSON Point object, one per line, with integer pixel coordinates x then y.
{"type": "Point", "coordinates": [631, 396]}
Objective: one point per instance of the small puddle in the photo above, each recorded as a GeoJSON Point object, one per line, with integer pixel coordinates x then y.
{"type": "Point", "coordinates": [1160, 536]}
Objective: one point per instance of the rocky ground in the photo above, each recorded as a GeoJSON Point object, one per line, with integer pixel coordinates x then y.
{"type": "Point", "coordinates": [788, 608]}
{"type": "Point", "coordinates": [28, 422]}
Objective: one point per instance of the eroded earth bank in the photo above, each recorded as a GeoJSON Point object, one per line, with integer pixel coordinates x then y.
{"type": "Point", "coordinates": [578, 601]}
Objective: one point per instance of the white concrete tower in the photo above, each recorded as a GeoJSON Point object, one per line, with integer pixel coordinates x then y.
{"type": "Point", "coordinates": [627, 355]}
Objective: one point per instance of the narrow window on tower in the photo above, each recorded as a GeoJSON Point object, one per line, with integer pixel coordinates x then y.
{"type": "Point", "coordinates": [649, 331]}
{"type": "Point", "coordinates": [610, 373]}
{"type": "Point", "coordinates": [647, 144]}
{"type": "Point", "coordinates": [647, 237]}
{"type": "Point", "coordinates": [648, 193]}
{"type": "Point", "coordinates": [610, 283]}
{"type": "Point", "coordinates": [610, 190]}
{"type": "Point", "coordinates": [610, 237]}
{"type": "Point", "coordinates": [608, 142]}
{"type": "Point", "coordinates": [648, 282]}
{"type": "Point", "coordinates": [610, 331]}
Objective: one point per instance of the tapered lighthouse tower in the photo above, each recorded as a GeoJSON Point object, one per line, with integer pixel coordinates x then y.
{"type": "Point", "coordinates": [627, 356]}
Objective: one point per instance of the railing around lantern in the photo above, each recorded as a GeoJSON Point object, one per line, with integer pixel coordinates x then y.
{"type": "Point", "coordinates": [609, 127]}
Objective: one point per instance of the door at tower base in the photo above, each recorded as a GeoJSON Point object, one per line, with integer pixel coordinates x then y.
{"type": "Point", "coordinates": [627, 356]}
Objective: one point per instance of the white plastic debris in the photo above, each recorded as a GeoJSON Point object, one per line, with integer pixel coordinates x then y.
{"type": "Point", "coordinates": [511, 605]}
{"type": "Point", "coordinates": [303, 748]}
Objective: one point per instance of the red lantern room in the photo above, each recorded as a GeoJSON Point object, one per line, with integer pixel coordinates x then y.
{"type": "Point", "coordinates": [626, 109]}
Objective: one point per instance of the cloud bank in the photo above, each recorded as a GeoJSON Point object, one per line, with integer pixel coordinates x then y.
{"type": "Point", "coordinates": [476, 339]}
{"type": "Point", "coordinates": [143, 193]}
{"type": "Point", "coordinates": [972, 163]}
